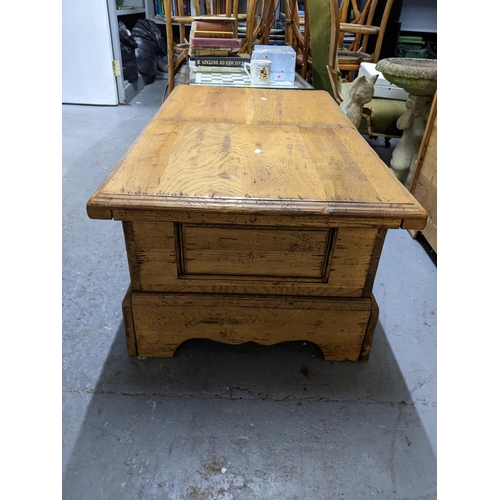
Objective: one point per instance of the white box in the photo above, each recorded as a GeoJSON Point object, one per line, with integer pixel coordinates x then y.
{"type": "Point", "coordinates": [282, 59]}
{"type": "Point", "coordinates": [383, 88]}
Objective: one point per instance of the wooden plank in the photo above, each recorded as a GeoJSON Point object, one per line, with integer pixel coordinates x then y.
{"type": "Point", "coordinates": [164, 321]}
{"type": "Point", "coordinates": [155, 253]}
{"type": "Point", "coordinates": [255, 260]}
{"type": "Point", "coordinates": [258, 252]}
{"type": "Point", "coordinates": [133, 264]}
{"type": "Point", "coordinates": [296, 217]}
{"type": "Point", "coordinates": [359, 28]}
{"type": "Point", "coordinates": [424, 181]}
{"type": "Point", "coordinates": [234, 150]}
{"type": "Point", "coordinates": [352, 259]}
{"type": "Point", "coordinates": [370, 331]}
{"type": "Point", "coordinates": [128, 321]}
{"type": "Point", "coordinates": [372, 270]}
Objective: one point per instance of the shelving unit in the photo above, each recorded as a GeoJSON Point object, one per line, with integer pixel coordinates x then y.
{"type": "Point", "coordinates": [127, 12]}
{"type": "Point", "coordinates": [125, 9]}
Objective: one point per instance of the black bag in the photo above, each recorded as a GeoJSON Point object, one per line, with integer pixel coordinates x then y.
{"type": "Point", "coordinates": [150, 46]}
{"type": "Point", "coordinates": [129, 60]}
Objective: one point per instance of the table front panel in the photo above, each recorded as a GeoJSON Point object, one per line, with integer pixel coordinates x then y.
{"type": "Point", "coordinates": [198, 258]}
{"type": "Point", "coordinates": [264, 253]}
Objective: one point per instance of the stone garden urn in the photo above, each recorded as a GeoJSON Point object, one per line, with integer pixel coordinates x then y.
{"type": "Point", "coordinates": [419, 78]}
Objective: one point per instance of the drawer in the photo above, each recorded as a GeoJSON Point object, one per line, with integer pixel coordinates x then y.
{"type": "Point", "coordinates": [208, 258]}
{"type": "Point", "coordinates": [265, 253]}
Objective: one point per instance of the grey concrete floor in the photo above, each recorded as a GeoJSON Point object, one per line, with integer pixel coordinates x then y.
{"type": "Point", "coordinates": [233, 422]}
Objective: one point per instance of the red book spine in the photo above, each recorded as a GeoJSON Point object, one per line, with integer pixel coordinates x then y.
{"type": "Point", "coordinates": [230, 43]}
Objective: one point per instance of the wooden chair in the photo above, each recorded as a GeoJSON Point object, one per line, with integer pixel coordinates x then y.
{"type": "Point", "coordinates": [332, 67]}
{"type": "Point", "coordinates": [321, 33]}
{"type": "Point", "coordinates": [360, 25]}
{"type": "Point", "coordinates": [259, 25]}
{"type": "Point", "coordinates": [300, 41]}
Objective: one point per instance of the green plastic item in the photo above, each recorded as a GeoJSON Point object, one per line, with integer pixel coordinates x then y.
{"type": "Point", "coordinates": [412, 40]}
{"type": "Point", "coordinates": [411, 46]}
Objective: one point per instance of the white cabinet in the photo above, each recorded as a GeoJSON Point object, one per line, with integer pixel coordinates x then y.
{"type": "Point", "coordinates": [91, 52]}
{"type": "Point", "coordinates": [87, 54]}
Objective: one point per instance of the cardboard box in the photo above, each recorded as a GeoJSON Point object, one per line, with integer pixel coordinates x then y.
{"type": "Point", "coordinates": [282, 58]}
{"type": "Point", "coordinates": [383, 88]}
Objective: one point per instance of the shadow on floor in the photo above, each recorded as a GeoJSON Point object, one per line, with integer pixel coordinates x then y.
{"type": "Point", "coordinates": [249, 422]}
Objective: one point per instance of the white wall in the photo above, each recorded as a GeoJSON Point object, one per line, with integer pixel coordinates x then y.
{"type": "Point", "coordinates": [87, 73]}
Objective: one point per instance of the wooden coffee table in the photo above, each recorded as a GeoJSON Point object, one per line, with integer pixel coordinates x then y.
{"type": "Point", "coordinates": [252, 215]}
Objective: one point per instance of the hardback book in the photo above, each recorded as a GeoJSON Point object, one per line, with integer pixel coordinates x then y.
{"type": "Point", "coordinates": [210, 19]}
{"type": "Point", "coordinates": [229, 43]}
{"type": "Point", "coordinates": [232, 61]}
{"type": "Point", "coordinates": [218, 69]}
{"type": "Point", "coordinates": [216, 25]}
{"type": "Point", "coordinates": [208, 51]}
{"type": "Point", "coordinates": [212, 34]}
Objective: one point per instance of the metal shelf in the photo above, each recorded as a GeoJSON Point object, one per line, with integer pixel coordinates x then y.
{"type": "Point", "coordinates": [128, 12]}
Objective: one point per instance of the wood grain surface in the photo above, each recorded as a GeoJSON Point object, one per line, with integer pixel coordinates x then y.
{"type": "Point", "coordinates": [272, 152]}
{"type": "Point", "coordinates": [312, 263]}
{"type": "Point", "coordinates": [424, 181]}
{"type": "Point", "coordinates": [163, 321]}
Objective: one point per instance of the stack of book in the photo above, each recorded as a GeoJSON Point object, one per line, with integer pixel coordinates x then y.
{"type": "Point", "coordinates": [214, 42]}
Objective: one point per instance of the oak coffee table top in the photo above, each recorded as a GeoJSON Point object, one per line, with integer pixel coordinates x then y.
{"type": "Point", "coordinates": [244, 153]}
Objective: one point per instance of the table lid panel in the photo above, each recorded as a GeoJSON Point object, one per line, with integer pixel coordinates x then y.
{"type": "Point", "coordinates": [206, 160]}
{"type": "Point", "coordinates": [253, 106]}
{"type": "Point", "coordinates": [141, 169]}
{"type": "Point", "coordinates": [242, 165]}
{"type": "Point", "coordinates": [350, 170]}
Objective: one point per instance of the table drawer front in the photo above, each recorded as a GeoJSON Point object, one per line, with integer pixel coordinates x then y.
{"type": "Point", "coordinates": [192, 258]}
{"type": "Point", "coordinates": [163, 321]}
{"type": "Point", "coordinates": [263, 253]}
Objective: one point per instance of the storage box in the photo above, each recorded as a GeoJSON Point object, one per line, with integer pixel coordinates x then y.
{"type": "Point", "coordinates": [282, 58]}
{"type": "Point", "coordinates": [383, 88]}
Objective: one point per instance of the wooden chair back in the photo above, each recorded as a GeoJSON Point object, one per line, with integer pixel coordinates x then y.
{"type": "Point", "coordinates": [259, 23]}
{"type": "Point", "coordinates": [298, 39]}
{"type": "Point", "coordinates": [360, 24]}
{"type": "Point", "coordinates": [321, 23]}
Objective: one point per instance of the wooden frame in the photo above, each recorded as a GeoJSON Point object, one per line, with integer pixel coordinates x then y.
{"type": "Point", "coordinates": [424, 181]}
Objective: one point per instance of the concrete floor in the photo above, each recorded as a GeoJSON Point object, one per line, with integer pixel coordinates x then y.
{"type": "Point", "coordinates": [233, 422]}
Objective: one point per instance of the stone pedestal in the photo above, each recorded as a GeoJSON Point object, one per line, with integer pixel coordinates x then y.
{"type": "Point", "coordinates": [412, 122]}
{"type": "Point", "coordinates": [419, 78]}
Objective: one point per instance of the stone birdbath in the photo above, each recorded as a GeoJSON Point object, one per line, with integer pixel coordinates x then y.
{"type": "Point", "coordinates": [419, 78]}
